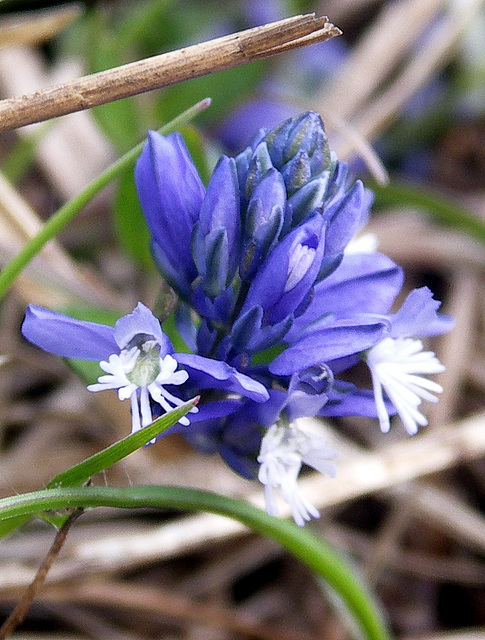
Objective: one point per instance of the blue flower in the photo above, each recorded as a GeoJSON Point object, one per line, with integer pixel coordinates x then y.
{"type": "Point", "coordinates": [263, 259]}
{"type": "Point", "coordinates": [171, 201]}
{"type": "Point", "coordinates": [273, 305]}
{"type": "Point", "coordinates": [138, 359]}
{"type": "Point", "coordinates": [195, 233]}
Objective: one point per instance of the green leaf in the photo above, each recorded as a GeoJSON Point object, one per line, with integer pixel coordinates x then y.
{"type": "Point", "coordinates": [316, 554]}
{"type": "Point", "coordinates": [106, 458]}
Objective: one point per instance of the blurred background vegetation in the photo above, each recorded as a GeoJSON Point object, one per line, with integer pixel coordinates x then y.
{"type": "Point", "coordinates": [402, 94]}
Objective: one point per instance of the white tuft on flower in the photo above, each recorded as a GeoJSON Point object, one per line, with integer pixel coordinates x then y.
{"type": "Point", "coordinates": [283, 451]}
{"type": "Point", "coordinates": [394, 364]}
{"type": "Point", "coordinates": [140, 373]}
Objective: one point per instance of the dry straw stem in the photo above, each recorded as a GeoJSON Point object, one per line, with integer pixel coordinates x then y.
{"type": "Point", "coordinates": [169, 68]}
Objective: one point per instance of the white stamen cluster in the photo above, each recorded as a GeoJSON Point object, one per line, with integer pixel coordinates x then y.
{"type": "Point", "coordinates": [283, 451]}
{"type": "Point", "coordinates": [140, 373]}
{"type": "Point", "coordinates": [394, 363]}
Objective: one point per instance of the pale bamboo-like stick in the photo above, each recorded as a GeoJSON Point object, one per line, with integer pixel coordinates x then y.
{"type": "Point", "coordinates": [165, 69]}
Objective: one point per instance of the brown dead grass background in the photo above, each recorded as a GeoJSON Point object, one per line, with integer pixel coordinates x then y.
{"type": "Point", "coordinates": [409, 513]}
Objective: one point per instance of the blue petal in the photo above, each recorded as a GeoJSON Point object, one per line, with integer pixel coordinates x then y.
{"type": "Point", "coordinates": [171, 194]}
{"type": "Point", "coordinates": [345, 399]}
{"type": "Point", "coordinates": [185, 325]}
{"type": "Point", "coordinates": [245, 327]}
{"type": "Point", "coordinates": [220, 208]}
{"type": "Point", "coordinates": [240, 462]}
{"type": "Point", "coordinates": [213, 410]}
{"type": "Point", "coordinates": [328, 344]}
{"type": "Point", "coordinates": [176, 276]}
{"type": "Point", "coordinates": [216, 235]}
{"type": "Point", "coordinates": [67, 337]}
{"type": "Point", "coordinates": [141, 321]}
{"type": "Point", "coordinates": [346, 217]}
{"type": "Point", "coordinates": [270, 335]}
{"type": "Point", "coordinates": [213, 374]}
{"type": "Point", "coordinates": [303, 203]}
{"type": "Point", "coordinates": [268, 288]}
{"type": "Point", "coordinates": [418, 316]}
{"type": "Point", "coordinates": [363, 283]}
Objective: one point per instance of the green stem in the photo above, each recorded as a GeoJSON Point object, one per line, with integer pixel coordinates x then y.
{"type": "Point", "coordinates": [301, 543]}
{"type": "Point", "coordinates": [65, 214]}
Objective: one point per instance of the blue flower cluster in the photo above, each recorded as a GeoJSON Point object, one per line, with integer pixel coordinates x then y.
{"type": "Point", "coordinates": [274, 304]}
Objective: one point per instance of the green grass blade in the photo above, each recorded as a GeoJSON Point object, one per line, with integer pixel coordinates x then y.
{"type": "Point", "coordinates": [298, 541]}
{"type": "Point", "coordinates": [80, 473]}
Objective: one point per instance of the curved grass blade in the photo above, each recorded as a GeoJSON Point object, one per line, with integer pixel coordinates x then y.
{"type": "Point", "coordinates": [82, 472]}
{"type": "Point", "coordinates": [298, 541]}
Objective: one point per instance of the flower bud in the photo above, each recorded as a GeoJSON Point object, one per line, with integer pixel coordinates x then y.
{"type": "Point", "coordinates": [304, 133]}
{"type": "Point", "coordinates": [264, 221]}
